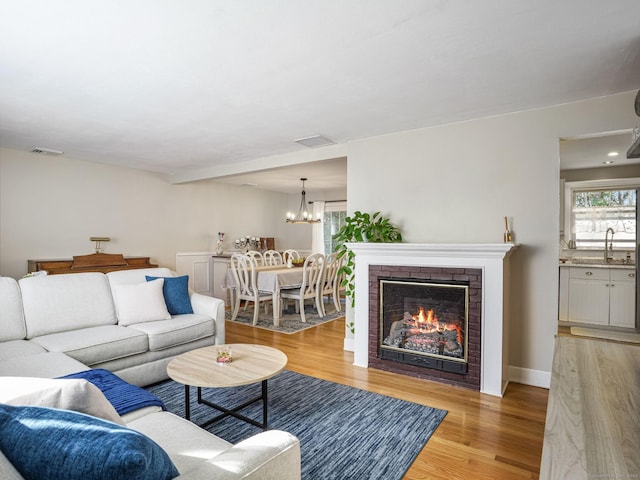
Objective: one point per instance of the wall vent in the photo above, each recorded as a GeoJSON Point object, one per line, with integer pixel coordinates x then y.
{"type": "Point", "coordinates": [315, 141]}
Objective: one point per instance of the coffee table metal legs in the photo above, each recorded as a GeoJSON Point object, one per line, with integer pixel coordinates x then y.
{"type": "Point", "coordinates": [228, 411]}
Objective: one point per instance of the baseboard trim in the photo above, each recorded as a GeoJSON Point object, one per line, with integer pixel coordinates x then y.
{"type": "Point", "coordinates": [527, 376]}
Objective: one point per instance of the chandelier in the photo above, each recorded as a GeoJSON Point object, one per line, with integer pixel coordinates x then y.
{"type": "Point", "coordinates": [303, 215]}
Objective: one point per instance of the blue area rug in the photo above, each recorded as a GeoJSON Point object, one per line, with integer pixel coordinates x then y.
{"type": "Point", "coordinates": [344, 432]}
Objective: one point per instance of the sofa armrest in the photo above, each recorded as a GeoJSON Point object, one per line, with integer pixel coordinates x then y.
{"type": "Point", "coordinates": [271, 455]}
{"type": "Point", "coordinates": [210, 307]}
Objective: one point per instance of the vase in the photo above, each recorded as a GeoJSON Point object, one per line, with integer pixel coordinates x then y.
{"type": "Point", "coordinates": [219, 248]}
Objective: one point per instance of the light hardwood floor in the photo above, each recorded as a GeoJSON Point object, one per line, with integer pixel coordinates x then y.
{"type": "Point", "coordinates": [593, 421]}
{"type": "Point", "coordinates": [482, 437]}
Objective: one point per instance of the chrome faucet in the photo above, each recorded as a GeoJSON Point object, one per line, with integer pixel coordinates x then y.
{"type": "Point", "coordinates": [608, 251]}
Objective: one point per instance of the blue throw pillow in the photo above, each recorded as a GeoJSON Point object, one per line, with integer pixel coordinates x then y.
{"type": "Point", "coordinates": [60, 444]}
{"type": "Point", "coordinates": [176, 294]}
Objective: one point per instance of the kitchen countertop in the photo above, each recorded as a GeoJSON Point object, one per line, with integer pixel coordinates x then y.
{"type": "Point", "coordinates": [624, 266]}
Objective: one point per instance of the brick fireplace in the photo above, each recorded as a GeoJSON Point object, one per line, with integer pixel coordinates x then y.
{"type": "Point", "coordinates": [451, 297]}
{"type": "Point", "coordinates": [482, 267]}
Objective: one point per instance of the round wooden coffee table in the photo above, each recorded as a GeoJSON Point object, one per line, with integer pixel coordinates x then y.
{"type": "Point", "coordinates": [250, 364]}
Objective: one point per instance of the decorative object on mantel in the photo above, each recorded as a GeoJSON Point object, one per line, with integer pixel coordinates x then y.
{"type": "Point", "coordinates": [99, 241]}
{"type": "Point", "coordinates": [219, 247]}
{"type": "Point", "coordinates": [508, 236]}
{"type": "Point", "coordinates": [361, 227]}
{"type": "Point", "coordinates": [303, 215]}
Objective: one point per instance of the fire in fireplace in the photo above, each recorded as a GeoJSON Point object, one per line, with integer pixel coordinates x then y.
{"type": "Point", "coordinates": [424, 323]}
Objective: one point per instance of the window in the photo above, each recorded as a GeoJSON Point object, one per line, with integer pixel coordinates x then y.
{"type": "Point", "coordinates": [333, 220]}
{"type": "Point", "coordinates": [596, 206]}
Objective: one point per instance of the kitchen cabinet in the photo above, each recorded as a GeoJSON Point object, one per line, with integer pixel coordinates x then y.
{"type": "Point", "coordinates": [622, 298]}
{"type": "Point", "coordinates": [589, 295]}
{"type": "Point", "coordinates": [597, 295]}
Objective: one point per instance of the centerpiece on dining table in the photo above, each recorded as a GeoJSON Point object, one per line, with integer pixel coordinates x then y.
{"type": "Point", "coordinates": [298, 262]}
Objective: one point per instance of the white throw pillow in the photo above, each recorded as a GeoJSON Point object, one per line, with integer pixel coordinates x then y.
{"type": "Point", "coordinates": [64, 393]}
{"type": "Point", "coordinates": [140, 302]}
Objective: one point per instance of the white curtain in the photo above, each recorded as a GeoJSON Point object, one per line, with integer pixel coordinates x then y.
{"type": "Point", "coordinates": [317, 239]}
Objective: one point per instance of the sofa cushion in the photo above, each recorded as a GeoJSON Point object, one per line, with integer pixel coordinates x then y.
{"type": "Point", "coordinates": [176, 294]}
{"type": "Point", "coordinates": [96, 345]}
{"type": "Point", "coordinates": [60, 444]}
{"type": "Point", "coordinates": [58, 303]}
{"type": "Point", "coordinates": [19, 348]}
{"type": "Point", "coordinates": [13, 327]}
{"type": "Point", "coordinates": [46, 364]}
{"type": "Point", "coordinates": [78, 395]}
{"type": "Point", "coordinates": [185, 442]}
{"type": "Point", "coordinates": [176, 331]}
{"type": "Point", "coordinates": [140, 302]}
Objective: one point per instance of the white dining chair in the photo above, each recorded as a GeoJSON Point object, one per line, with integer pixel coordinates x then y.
{"type": "Point", "coordinates": [290, 253]}
{"type": "Point", "coordinates": [257, 257]}
{"type": "Point", "coordinates": [311, 279]}
{"type": "Point", "coordinates": [273, 258]}
{"type": "Point", "coordinates": [243, 268]}
{"type": "Point", "coordinates": [329, 279]}
{"type": "Point", "coordinates": [338, 288]}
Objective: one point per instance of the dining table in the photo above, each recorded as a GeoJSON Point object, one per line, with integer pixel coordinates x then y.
{"type": "Point", "coordinates": [272, 279]}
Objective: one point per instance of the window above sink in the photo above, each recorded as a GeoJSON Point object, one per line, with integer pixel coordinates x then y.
{"type": "Point", "coordinates": [592, 207]}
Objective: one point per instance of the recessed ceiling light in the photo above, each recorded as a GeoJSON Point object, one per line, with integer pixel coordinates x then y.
{"type": "Point", "coordinates": [607, 162]}
{"type": "Point", "coordinates": [249, 184]}
{"type": "Point", "coordinates": [315, 141]}
{"type": "Point", "coordinates": [612, 154]}
{"type": "Point", "coordinates": [46, 151]}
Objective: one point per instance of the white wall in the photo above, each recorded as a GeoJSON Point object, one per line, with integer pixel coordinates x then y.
{"type": "Point", "coordinates": [452, 183]}
{"type": "Point", "coordinates": [455, 183]}
{"type": "Point", "coordinates": [50, 206]}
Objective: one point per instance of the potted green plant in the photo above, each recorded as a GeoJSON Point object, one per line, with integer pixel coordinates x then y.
{"type": "Point", "coordinates": [361, 227]}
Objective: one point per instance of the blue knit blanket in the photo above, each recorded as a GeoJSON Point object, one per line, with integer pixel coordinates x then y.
{"type": "Point", "coordinates": [123, 396]}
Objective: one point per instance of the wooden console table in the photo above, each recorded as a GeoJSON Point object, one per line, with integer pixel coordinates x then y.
{"type": "Point", "coordinates": [96, 262]}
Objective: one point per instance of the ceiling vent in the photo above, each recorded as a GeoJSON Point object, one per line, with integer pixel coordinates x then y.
{"type": "Point", "coordinates": [46, 151]}
{"type": "Point", "coordinates": [315, 141]}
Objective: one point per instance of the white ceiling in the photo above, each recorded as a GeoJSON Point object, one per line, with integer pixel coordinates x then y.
{"type": "Point", "coordinates": [210, 85]}
{"type": "Point", "coordinates": [322, 176]}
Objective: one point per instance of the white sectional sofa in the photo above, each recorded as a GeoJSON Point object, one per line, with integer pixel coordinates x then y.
{"type": "Point", "coordinates": [56, 325]}
{"type": "Point", "coordinates": [80, 315]}
{"type": "Point", "coordinates": [195, 453]}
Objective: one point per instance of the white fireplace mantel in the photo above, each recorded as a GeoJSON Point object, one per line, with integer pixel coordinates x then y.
{"type": "Point", "coordinates": [491, 258]}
